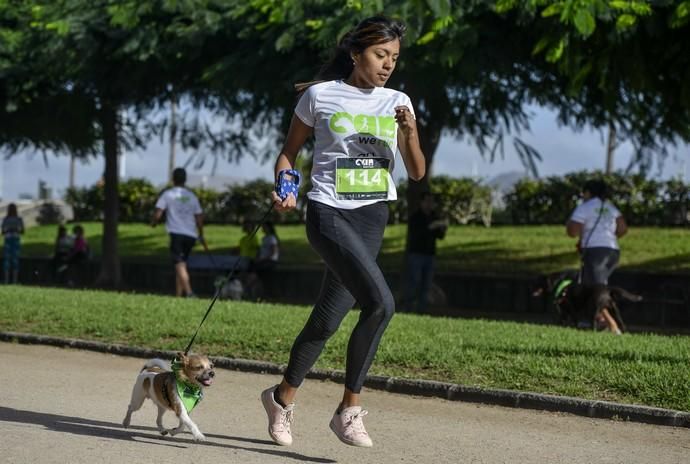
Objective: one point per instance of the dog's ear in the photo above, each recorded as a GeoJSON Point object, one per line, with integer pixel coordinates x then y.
{"type": "Point", "coordinates": [182, 357]}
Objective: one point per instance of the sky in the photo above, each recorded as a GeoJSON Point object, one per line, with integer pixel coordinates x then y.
{"type": "Point", "coordinates": [562, 151]}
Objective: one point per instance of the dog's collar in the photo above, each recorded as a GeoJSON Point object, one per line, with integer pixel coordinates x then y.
{"type": "Point", "coordinates": [189, 394]}
{"type": "Point", "coordinates": [560, 288]}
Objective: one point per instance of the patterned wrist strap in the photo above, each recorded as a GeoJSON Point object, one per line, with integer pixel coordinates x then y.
{"type": "Point", "coordinates": [287, 182]}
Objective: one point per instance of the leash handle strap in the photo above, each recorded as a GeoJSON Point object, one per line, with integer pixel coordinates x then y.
{"type": "Point", "coordinates": [228, 278]}
{"type": "Point", "coordinates": [287, 182]}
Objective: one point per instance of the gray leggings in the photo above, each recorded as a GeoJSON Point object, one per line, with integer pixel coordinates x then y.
{"type": "Point", "coordinates": [348, 241]}
{"type": "Point", "coordinates": [598, 264]}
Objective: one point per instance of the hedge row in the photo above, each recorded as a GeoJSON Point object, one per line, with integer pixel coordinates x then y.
{"type": "Point", "coordinates": [464, 201]}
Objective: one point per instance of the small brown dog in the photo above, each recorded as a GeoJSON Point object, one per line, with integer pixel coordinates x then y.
{"type": "Point", "coordinates": [179, 390]}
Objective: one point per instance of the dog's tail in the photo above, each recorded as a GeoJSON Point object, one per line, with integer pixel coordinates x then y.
{"type": "Point", "coordinates": [156, 365]}
{"type": "Point", "coordinates": [624, 294]}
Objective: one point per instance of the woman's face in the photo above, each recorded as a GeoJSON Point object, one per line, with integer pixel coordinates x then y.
{"type": "Point", "coordinates": [376, 63]}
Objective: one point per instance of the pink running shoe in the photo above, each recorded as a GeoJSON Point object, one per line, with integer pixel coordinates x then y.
{"type": "Point", "coordinates": [349, 428]}
{"type": "Point", "coordinates": [279, 418]}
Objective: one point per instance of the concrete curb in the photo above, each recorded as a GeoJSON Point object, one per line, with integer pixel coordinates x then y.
{"type": "Point", "coordinates": [449, 391]}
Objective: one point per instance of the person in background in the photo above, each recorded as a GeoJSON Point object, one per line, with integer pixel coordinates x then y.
{"type": "Point", "coordinates": [248, 247]}
{"type": "Point", "coordinates": [63, 247]}
{"type": "Point", "coordinates": [597, 224]}
{"type": "Point", "coordinates": [184, 222]}
{"type": "Point", "coordinates": [266, 260]}
{"type": "Point", "coordinates": [424, 227]}
{"type": "Point", "coordinates": [269, 252]}
{"type": "Point", "coordinates": [12, 230]}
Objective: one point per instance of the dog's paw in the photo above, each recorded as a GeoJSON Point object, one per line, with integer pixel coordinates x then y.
{"type": "Point", "coordinates": [163, 432]}
{"type": "Point", "coordinates": [199, 437]}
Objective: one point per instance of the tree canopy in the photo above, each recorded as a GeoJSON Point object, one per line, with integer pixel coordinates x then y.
{"type": "Point", "coordinates": [89, 75]}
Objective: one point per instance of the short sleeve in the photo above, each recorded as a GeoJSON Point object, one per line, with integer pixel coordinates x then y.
{"type": "Point", "coordinates": [161, 203]}
{"type": "Point", "coordinates": [407, 102]}
{"type": "Point", "coordinates": [305, 109]}
{"type": "Point", "coordinates": [579, 215]}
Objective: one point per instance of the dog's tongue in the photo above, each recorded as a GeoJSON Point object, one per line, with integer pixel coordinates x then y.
{"type": "Point", "coordinates": [207, 382]}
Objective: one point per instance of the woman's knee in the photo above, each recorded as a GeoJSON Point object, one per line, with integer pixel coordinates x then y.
{"type": "Point", "coordinates": [381, 308]}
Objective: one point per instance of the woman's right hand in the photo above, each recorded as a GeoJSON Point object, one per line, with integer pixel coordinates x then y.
{"type": "Point", "coordinates": [283, 206]}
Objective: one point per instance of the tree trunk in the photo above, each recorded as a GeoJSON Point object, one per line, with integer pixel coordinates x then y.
{"type": "Point", "coordinates": [72, 164]}
{"type": "Point", "coordinates": [173, 137]}
{"type": "Point", "coordinates": [110, 276]}
{"type": "Point", "coordinates": [610, 148]}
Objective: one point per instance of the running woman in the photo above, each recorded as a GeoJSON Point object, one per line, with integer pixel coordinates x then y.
{"type": "Point", "coordinates": [358, 125]}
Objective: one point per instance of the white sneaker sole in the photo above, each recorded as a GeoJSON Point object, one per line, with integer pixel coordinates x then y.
{"type": "Point", "coordinates": [346, 440]}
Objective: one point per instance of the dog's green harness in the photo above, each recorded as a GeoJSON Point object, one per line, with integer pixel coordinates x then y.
{"type": "Point", "coordinates": [189, 393]}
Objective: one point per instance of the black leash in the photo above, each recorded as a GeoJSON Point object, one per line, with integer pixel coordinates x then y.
{"type": "Point", "coordinates": [227, 279]}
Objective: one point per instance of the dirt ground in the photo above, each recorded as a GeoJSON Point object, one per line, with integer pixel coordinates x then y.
{"type": "Point", "coordinates": [66, 406]}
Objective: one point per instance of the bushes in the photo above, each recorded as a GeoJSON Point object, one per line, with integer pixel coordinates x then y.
{"type": "Point", "coordinates": [463, 201]}
{"type": "Point", "coordinates": [641, 201]}
{"type": "Point", "coordinates": [137, 200]}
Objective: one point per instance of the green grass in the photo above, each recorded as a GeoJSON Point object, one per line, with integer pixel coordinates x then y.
{"type": "Point", "coordinates": [509, 249]}
{"type": "Point", "coordinates": [634, 368]}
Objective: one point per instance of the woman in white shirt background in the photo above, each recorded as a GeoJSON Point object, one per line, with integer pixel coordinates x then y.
{"type": "Point", "coordinates": [598, 225]}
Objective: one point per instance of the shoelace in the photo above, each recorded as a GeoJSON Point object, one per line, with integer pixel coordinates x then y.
{"type": "Point", "coordinates": [287, 418]}
{"type": "Point", "coordinates": [355, 420]}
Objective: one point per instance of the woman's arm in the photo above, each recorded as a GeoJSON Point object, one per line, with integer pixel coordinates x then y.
{"type": "Point", "coordinates": [573, 229]}
{"type": "Point", "coordinates": [408, 142]}
{"type": "Point", "coordinates": [297, 135]}
{"type": "Point", "coordinates": [621, 226]}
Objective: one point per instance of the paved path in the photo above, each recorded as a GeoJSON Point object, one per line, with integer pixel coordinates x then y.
{"type": "Point", "coordinates": [65, 406]}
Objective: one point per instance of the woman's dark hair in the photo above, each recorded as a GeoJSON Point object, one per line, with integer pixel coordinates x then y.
{"type": "Point", "coordinates": [12, 209]}
{"type": "Point", "coordinates": [179, 176]}
{"type": "Point", "coordinates": [371, 31]}
{"type": "Point", "coordinates": [597, 188]}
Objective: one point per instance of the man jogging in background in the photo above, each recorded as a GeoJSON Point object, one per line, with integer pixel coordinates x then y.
{"type": "Point", "coordinates": [184, 222]}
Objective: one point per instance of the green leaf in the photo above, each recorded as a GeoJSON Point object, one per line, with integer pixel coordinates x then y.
{"type": "Point", "coordinates": [584, 22]}
{"type": "Point", "coordinates": [625, 21]}
{"type": "Point", "coordinates": [553, 9]}
{"type": "Point", "coordinates": [503, 6]}
{"type": "Point", "coordinates": [541, 45]}
{"type": "Point", "coordinates": [556, 52]}
{"type": "Point", "coordinates": [426, 38]}
{"type": "Point", "coordinates": [61, 27]}
{"type": "Point", "coordinates": [681, 15]}
{"type": "Point", "coordinates": [439, 8]}
{"type": "Point", "coordinates": [314, 24]}
{"type": "Point", "coordinates": [620, 5]}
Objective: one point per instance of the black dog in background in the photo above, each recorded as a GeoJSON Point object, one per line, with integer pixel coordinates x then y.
{"type": "Point", "coordinates": [575, 303]}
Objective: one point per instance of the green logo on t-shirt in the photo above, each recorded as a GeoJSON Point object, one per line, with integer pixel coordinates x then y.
{"type": "Point", "coordinates": [383, 127]}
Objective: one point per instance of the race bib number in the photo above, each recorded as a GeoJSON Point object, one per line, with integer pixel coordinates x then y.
{"type": "Point", "coordinates": [362, 178]}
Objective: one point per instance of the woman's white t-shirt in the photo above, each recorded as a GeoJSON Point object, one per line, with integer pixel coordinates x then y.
{"type": "Point", "coordinates": [355, 136]}
{"type": "Point", "coordinates": [604, 234]}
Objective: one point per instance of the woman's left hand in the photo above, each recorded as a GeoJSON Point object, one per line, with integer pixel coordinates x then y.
{"type": "Point", "coordinates": [405, 120]}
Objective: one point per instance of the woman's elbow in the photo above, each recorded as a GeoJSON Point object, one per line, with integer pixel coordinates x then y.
{"type": "Point", "coordinates": [417, 174]}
